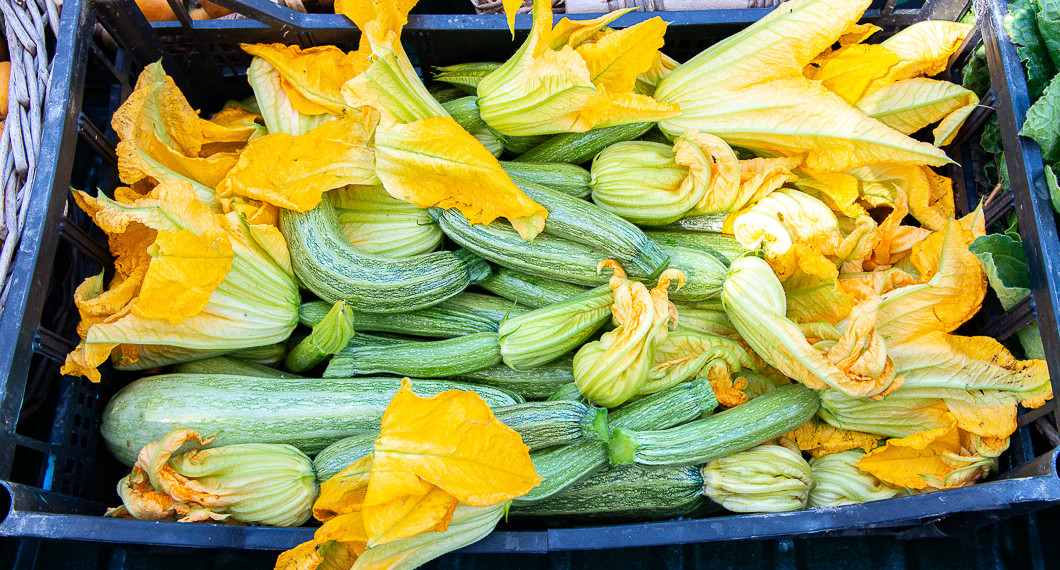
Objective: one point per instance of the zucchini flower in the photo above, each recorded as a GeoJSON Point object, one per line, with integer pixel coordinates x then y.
{"type": "Point", "coordinates": [573, 77]}
{"type": "Point", "coordinates": [785, 217]}
{"type": "Point", "coordinates": [278, 109]}
{"type": "Point", "coordinates": [186, 277]}
{"type": "Point", "coordinates": [902, 413]}
{"type": "Point", "coordinates": [764, 479]}
{"type": "Point", "coordinates": [855, 364]}
{"type": "Point", "coordinates": [611, 370]}
{"type": "Point", "coordinates": [269, 484]}
{"type": "Point", "coordinates": [837, 481]}
{"type": "Point", "coordinates": [687, 355]}
{"type": "Point", "coordinates": [329, 336]}
{"type": "Point", "coordinates": [379, 224]}
{"type": "Point", "coordinates": [653, 184]}
{"type": "Point", "coordinates": [541, 336]}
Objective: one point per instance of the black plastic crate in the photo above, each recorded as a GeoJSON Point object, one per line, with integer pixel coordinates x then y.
{"type": "Point", "coordinates": [58, 478]}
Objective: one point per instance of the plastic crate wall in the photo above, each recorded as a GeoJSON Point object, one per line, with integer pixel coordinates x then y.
{"type": "Point", "coordinates": [59, 478]}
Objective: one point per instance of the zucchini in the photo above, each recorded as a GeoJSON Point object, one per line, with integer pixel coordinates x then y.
{"type": "Point", "coordinates": [518, 144]}
{"type": "Point", "coordinates": [310, 413]}
{"type": "Point", "coordinates": [539, 383]}
{"type": "Point", "coordinates": [734, 430]}
{"type": "Point", "coordinates": [443, 93]}
{"type": "Point", "coordinates": [704, 274]}
{"type": "Point", "coordinates": [545, 334]}
{"type": "Point", "coordinates": [465, 112]}
{"type": "Point", "coordinates": [628, 491]}
{"type": "Point", "coordinates": [710, 321]}
{"type": "Point", "coordinates": [229, 365]}
{"type": "Point", "coordinates": [588, 224]}
{"type": "Point", "coordinates": [709, 223]}
{"type": "Point", "coordinates": [561, 467]}
{"type": "Point", "coordinates": [267, 355]}
{"type": "Point", "coordinates": [541, 424]}
{"type": "Point", "coordinates": [567, 391]}
{"type": "Point", "coordinates": [343, 453]}
{"type": "Point", "coordinates": [327, 264]}
{"type": "Point", "coordinates": [464, 314]}
{"type": "Point", "coordinates": [724, 247]}
{"type": "Point", "coordinates": [579, 148]}
{"type": "Point", "coordinates": [567, 178]}
{"type": "Point", "coordinates": [546, 257]}
{"type": "Point", "coordinates": [465, 76]}
{"type": "Point", "coordinates": [423, 359]}
{"type": "Point", "coordinates": [528, 290]}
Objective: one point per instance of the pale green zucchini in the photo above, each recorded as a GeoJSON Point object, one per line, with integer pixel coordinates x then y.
{"type": "Point", "coordinates": [629, 491]}
{"type": "Point", "coordinates": [563, 466]}
{"type": "Point", "coordinates": [464, 314]}
{"type": "Point", "coordinates": [704, 274]}
{"type": "Point", "coordinates": [578, 148]}
{"type": "Point", "coordinates": [443, 93]}
{"type": "Point", "coordinates": [545, 334]}
{"type": "Point", "coordinates": [724, 246]}
{"type": "Point", "coordinates": [309, 413]}
{"type": "Point", "coordinates": [229, 365]}
{"type": "Point", "coordinates": [567, 178]}
{"type": "Point", "coordinates": [540, 424]}
{"type": "Point", "coordinates": [528, 290]}
{"type": "Point", "coordinates": [423, 359]}
{"type": "Point", "coordinates": [538, 383]}
{"type": "Point", "coordinates": [327, 264]}
{"type": "Point", "coordinates": [711, 321]}
{"type": "Point", "coordinates": [268, 355]}
{"type": "Point", "coordinates": [734, 430]}
{"type": "Point", "coordinates": [517, 145]}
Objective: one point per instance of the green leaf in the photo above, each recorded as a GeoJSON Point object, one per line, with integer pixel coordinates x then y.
{"type": "Point", "coordinates": [1021, 23]}
{"type": "Point", "coordinates": [1006, 268]}
{"type": "Point", "coordinates": [976, 75]}
{"type": "Point", "coordinates": [1054, 188]}
{"type": "Point", "coordinates": [1042, 120]}
{"type": "Point", "coordinates": [1049, 26]}
{"type": "Point", "coordinates": [991, 138]}
{"type": "Point", "coordinates": [1030, 337]}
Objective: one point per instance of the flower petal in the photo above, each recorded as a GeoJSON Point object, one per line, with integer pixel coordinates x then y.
{"type": "Point", "coordinates": [912, 104]}
{"type": "Point", "coordinates": [312, 77]}
{"type": "Point", "coordinates": [185, 269]}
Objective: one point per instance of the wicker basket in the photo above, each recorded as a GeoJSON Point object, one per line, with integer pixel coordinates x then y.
{"type": "Point", "coordinates": [25, 24]}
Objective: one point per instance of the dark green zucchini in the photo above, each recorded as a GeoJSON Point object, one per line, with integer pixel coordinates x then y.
{"type": "Point", "coordinates": [423, 359]}
{"type": "Point", "coordinates": [528, 290]}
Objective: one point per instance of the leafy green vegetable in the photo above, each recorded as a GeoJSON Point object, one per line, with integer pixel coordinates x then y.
{"type": "Point", "coordinates": [1006, 270]}
{"type": "Point", "coordinates": [1042, 120]}
{"type": "Point", "coordinates": [1049, 27]}
{"type": "Point", "coordinates": [1021, 23]}
{"type": "Point", "coordinates": [1054, 188]}
{"type": "Point", "coordinates": [976, 75]}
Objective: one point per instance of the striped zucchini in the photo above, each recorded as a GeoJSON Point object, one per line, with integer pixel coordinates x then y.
{"type": "Point", "coordinates": [465, 76]}
{"type": "Point", "coordinates": [546, 257]}
{"type": "Point", "coordinates": [734, 430]}
{"type": "Point", "coordinates": [443, 94]}
{"type": "Point", "coordinates": [540, 424]}
{"type": "Point", "coordinates": [579, 148]}
{"type": "Point", "coordinates": [267, 355]}
{"type": "Point", "coordinates": [629, 491]}
{"type": "Point", "coordinates": [229, 365]}
{"type": "Point", "coordinates": [545, 334]}
{"type": "Point", "coordinates": [327, 264]}
{"type": "Point", "coordinates": [709, 223]}
{"type": "Point", "coordinates": [588, 224]}
{"type": "Point", "coordinates": [528, 290]}
{"type": "Point", "coordinates": [567, 178]}
{"type": "Point", "coordinates": [423, 359]}
{"type": "Point", "coordinates": [561, 467]}
{"type": "Point", "coordinates": [310, 413]}
{"type": "Point", "coordinates": [464, 314]}
{"type": "Point", "coordinates": [567, 391]}
{"type": "Point", "coordinates": [516, 144]}
{"type": "Point", "coordinates": [710, 321]}
{"type": "Point", "coordinates": [704, 274]}
{"type": "Point", "coordinates": [465, 113]}
{"type": "Point", "coordinates": [725, 247]}
{"type": "Point", "coordinates": [539, 383]}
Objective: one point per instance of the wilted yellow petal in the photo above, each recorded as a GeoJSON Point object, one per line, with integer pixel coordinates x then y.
{"type": "Point", "coordinates": [912, 104]}
{"type": "Point", "coordinates": [724, 190]}
{"type": "Point", "coordinates": [615, 60]}
{"type": "Point", "coordinates": [932, 458]}
{"type": "Point", "coordinates": [344, 492]}
{"type": "Point", "coordinates": [850, 72]}
{"type": "Point", "coordinates": [820, 439]}
{"type": "Point", "coordinates": [989, 413]}
{"type": "Point", "coordinates": [434, 162]}
{"type": "Point", "coordinates": [951, 289]}
{"type": "Point", "coordinates": [313, 74]}
{"type": "Point", "coordinates": [390, 85]}
{"type": "Point", "coordinates": [862, 286]}
{"type": "Point", "coordinates": [837, 189]}
{"type": "Point", "coordinates": [407, 514]}
{"type": "Point", "coordinates": [335, 546]}
{"type": "Point", "coordinates": [574, 33]}
{"type": "Point", "coordinates": [923, 49]}
{"type": "Point", "coordinates": [760, 176]}
{"type": "Point", "coordinates": [292, 172]}
{"type": "Point", "coordinates": [185, 269]}
{"type": "Point", "coordinates": [452, 441]}
{"type": "Point", "coordinates": [812, 289]}
{"type": "Point", "coordinates": [234, 127]}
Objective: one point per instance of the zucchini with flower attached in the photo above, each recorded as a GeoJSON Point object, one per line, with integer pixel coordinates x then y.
{"type": "Point", "coordinates": [734, 430]}
{"type": "Point", "coordinates": [567, 178]}
{"type": "Point", "coordinates": [327, 264]}
{"type": "Point", "coordinates": [378, 224]}
{"type": "Point", "coordinates": [539, 382]}
{"type": "Point", "coordinates": [423, 359]}
{"type": "Point", "coordinates": [528, 290]}
{"type": "Point", "coordinates": [764, 479]}
{"type": "Point", "coordinates": [309, 413]}
{"type": "Point", "coordinates": [545, 334]}
{"type": "Point", "coordinates": [329, 336]}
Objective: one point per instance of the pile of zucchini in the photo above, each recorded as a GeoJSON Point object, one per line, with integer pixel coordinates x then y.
{"type": "Point", "coordinates": [497, 315]}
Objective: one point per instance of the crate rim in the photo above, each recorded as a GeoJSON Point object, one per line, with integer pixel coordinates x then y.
{"type": "Point", "coordinates": [34, 512]}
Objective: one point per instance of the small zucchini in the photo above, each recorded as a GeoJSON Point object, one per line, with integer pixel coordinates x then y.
{"type": "Point", "coordinates": [528, 290]}
{"type": "Point", "coordinates": [567, 178]}
{"type": "Point", "coordinates": [579, 148]}
{"type": "Point", "coordinates": [734, 430]}
{"type": "Point", "coordinates": [422, 359]}
{"type": "Point", "coordinates": [537, 383]}
{"type": "Point", "coordinates": [229, 365]}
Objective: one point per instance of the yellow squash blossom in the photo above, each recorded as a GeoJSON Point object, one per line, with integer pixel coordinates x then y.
{"type": "Point", "coordinates": [750, 90]}
{"type": "Point", "coordinates": [820, 439]}
{"type": "Point", "coordinates": [186, 277]}
{"type": "Point", "coordinates": [611, 370]}
{"type": "Point", "coordinates": [571, 78]}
